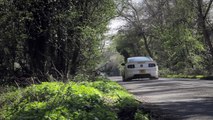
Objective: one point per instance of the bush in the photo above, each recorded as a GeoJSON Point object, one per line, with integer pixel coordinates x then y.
{"type": "Point", "coordinates": [100, 100]}
{"type": "Point", "coordinates": [139, 115]}
{"type": "Point", "coordinates": [127, 108]}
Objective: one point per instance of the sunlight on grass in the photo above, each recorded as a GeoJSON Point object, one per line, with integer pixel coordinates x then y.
{"type": "Point", "coordinates": [99, 100]}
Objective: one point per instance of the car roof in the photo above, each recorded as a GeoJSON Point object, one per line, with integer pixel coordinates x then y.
{"type": "Point", "coordinates": [139, 59]}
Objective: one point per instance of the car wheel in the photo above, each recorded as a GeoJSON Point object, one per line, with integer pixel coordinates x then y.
{"type": "Point", "coordinates": [154, 78]}
{"type": "Point", "coordinates": [126, 79]}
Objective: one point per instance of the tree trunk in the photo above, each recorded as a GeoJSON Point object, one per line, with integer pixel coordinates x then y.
{"type": "Point", "coordinates": [202, 26]}
{"type": "Point", "coordinates": [75, 61]}
{"type": "Point", "coordinates": [146, 45]}
{"type": "Point", "coordinates": [38, 32]}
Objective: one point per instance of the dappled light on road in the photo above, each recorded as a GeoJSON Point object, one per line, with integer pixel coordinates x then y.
{"type": "Point", "coordinates": [184, 99]}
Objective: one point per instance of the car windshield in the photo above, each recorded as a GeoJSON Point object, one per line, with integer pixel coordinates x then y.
{"type": "Point", "coordinates": [139, 59]}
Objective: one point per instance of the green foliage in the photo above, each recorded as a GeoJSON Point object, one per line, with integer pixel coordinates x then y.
{"type": "Point", "coordinates": [100, 100]}
{"type": "Point", "coordinates": [139, 115]}
{"type": "Point", "coordinates": [185, 76]}
{"type": "Point", "coordinates": [4, 89]}
{"type": "Point", "coordinates": [81, 78]}
{"type": "Point", "coordinates": [58, 38]}
{"type": "Point", "coordinates": [182, 48]}
{"type": "Point", "coordinates": [172, 33]}
{"type": "Point", "coordinates": [105, 86]}
{"type": "Point", "coordinates": [127, 101]}
{"type": "Point", "coordinates": [129, 43]}
{"type": "Point", "coordinates": [127, 108]}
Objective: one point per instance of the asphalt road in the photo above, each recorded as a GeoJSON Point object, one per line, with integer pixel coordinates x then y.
{"type": "Point", "coordinates": [175, 99]}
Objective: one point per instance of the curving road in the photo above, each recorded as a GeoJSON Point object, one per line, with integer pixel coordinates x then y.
{"type": "Point", "coordinates": [174, 99]}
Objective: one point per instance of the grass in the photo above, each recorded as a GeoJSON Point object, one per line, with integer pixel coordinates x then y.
{"type": "Point", "coordinates": [184, 76]}
{"type": "Point", "coordinates": [190, 76]}
{"type": "Point", "coordinates": [99, 100]}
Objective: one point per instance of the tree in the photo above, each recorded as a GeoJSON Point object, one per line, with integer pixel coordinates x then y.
{"type": "Point", "coordinates": [202, 18]}
{"type": "Point", "coordinates": [58, 38]}
{"type": "Point", "coordinates": [168, 29]}
{"type": "Point", "coordinates": [134, 16]}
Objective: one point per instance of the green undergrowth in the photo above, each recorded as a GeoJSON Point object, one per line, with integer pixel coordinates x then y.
{"type": "Point", "coordinates": [184, 76]}
{"type": "Point", "coordinates": [202, 77]}
{"type": "Point", "coordinates": [99, 100]}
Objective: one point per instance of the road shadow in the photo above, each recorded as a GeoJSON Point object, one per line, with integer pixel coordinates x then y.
{"type": "Point", "coordinates": [135, 81]}
{"type": "Point", "coordinates": [174, 90]}
{"type": "Point", "coordinates": [181, 110]}
{"type": "Point", "coordinates": [174, 99]}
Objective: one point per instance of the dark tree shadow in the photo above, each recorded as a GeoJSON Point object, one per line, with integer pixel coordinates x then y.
{"type": "Point", "coordinates": [180, 110]}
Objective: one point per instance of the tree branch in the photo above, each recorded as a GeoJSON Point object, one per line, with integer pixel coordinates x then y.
{"type": "Point", "coordinates": [208, 9]}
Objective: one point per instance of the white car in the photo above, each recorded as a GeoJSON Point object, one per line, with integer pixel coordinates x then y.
{"type": "Point", "coordinates": [140, 67]}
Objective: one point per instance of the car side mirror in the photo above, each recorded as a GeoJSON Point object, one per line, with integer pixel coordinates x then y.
{"type": "Point", "coordinates": [123, 64]}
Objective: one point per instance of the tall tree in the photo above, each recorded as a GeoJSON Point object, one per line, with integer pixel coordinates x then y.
{"type": "Point", "coordinates": [133, 14]}
{"type": "Point", "coordinates": [54, 38]}
{"type": "Point", "coordinates": [169, 31]}
{"type": "Point", "coordinates": [203, 13]}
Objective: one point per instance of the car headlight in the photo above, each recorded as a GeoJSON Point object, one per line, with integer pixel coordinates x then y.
{"type": "Point", "coordinates": [130, 66]}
